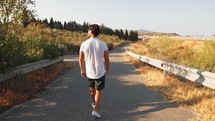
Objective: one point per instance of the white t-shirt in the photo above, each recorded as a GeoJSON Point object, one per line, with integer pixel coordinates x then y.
{"type": "Point", "coordinates": [93, 49]}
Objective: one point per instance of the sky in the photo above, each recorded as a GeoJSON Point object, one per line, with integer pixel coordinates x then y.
{"type": "Point", "coordinates": [184, 17]}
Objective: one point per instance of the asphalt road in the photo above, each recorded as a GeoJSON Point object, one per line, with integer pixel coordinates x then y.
{"type": "Point", "coordinates": [125, 98]}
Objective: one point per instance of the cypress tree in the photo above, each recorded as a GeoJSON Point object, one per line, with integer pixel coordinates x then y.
{"type": "Point", "coordinates": [65, 25]}
{"type": "Point", "coordinates": [117, 33]}
{"type": "Point", "coordinates": [60, 25]}
{"type": "Point", "coordinates": [133, 35]}
{"type": "Point", "coordinates": [126, 34]}
{"type": "Point", "coordinates": [45, 21]}
{"type": "Point", "coordinates": [51, 24]}
{"type": "Point", "coordinates": [85, 27]}
{"type": "Point", "coordinates": [121, 34]}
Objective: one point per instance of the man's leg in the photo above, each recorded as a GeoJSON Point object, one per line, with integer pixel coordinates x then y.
{"type": "Point", "coordinates": [97, 99]}
{"type": "Point", "coordinates": [99, 86]}
{"type": "Point", "coordinates": [93, 93]}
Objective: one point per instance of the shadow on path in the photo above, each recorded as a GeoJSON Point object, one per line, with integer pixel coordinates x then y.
{"type": "Point", "coordinates": [127, 99]}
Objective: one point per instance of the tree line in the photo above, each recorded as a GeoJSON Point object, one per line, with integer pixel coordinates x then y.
{"type": "Point", "coordinates": [74, 26]}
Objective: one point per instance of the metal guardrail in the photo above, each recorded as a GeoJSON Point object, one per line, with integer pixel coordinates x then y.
{"type": "Point", "coordinates": [203, 77]}
{"type": "Point", "coordinates": [29, 67]}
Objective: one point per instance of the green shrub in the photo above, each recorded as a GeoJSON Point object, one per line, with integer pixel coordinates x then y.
{"type": "Point", "coordinates": [110, 45]}
{"type": "Point", "coordinates": [71, 48]}
{"type": "Point", "coordinates": [34, 50]}
{"type": "Point", "coordinates": [12, 53]}
{"type": "Point", "coordinates": [62, 49]}
{"type": "Point", "coordinates": [50, 50]}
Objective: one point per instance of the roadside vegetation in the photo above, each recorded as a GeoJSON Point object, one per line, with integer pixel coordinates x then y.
{"type": "Point", "coordinates": [196, 54]}
{"type": "Point", "coordinates": [18, 89]}
{"type": "Point", "coordinates": [23, 39]}
{"type": "Point", "coordinates": [36, 42]}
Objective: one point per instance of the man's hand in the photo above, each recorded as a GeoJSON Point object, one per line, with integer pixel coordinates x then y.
{"type": "Point", "coordinates": [83, 73]}
{"type": "Point", "coordinates": [107, 72]}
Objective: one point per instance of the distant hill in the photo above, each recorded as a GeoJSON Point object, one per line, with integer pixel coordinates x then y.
{"type": "Point", "coordinates": [143, 31]}
{"type": "Point", "coordinates": [157, 34]}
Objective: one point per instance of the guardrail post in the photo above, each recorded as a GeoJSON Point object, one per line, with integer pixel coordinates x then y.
{"type": "Point", "coordinates": [139, 59]}
{"type": "Point", "coordinates": [164, 73]}
{"type": "Point", "coordinates": [164, 70]}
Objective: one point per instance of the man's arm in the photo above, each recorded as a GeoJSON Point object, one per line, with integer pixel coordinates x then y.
{"type": "Point", "coordinates": [81, 64]}
{"type": "Point", "coordinates": [107, 62]}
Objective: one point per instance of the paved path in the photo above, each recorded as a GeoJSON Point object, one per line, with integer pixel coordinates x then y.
{"type": "Point", "coordinates": [124, 99]}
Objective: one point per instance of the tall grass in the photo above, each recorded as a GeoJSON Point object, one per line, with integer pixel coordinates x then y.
{"type": "Point", "coordinates": [197, 54]}
{"type": "Point", "coordinates": [204, 56]}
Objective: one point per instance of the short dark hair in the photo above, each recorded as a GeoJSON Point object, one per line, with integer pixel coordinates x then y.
{"type": "Point", "coordinates": [95, 29]}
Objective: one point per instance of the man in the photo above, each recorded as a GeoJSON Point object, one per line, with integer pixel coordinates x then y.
{"type": "Point", "coordinates": [95, 54]}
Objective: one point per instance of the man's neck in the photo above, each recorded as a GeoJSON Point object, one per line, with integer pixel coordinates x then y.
{"type": "Point", "coordinates": [92, 36]}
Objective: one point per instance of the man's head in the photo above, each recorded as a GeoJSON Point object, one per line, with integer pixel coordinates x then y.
{"type": "Point", "coordinates": [94, 30]}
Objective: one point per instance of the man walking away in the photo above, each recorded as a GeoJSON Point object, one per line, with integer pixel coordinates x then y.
{"type": "Point", "coordinates": [94, 53]}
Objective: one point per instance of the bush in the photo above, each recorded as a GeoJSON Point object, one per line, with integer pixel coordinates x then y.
{"type": "Point", "coordinates": [110, 46]}
{"type": "Point", "coordinates": [12, 53]}
{"type": "Point", "coordinates": [62, 49]}
{"type": "Point", "coordinates": [34, 49]}
{"type": "Point", "coordinates": [50, 50]}
{"type": "Point", "coordinates": [72, 48]}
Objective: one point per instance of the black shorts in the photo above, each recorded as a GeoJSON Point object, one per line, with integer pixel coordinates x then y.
{"type": "Point", "coordinates": [98, 84]}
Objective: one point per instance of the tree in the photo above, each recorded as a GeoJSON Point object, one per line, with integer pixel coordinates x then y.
{"type": "Point", "coordinates": [85, 27]}
{"type": "Point", "coordinates": [117, 33]}
{"type": "Point", "coordinates": [121, 35]}
{"type": "Point", "coordinates": [51, 23]}
{"type": "Point", "coordinates": [126, 34]}
{"type": "Point", "coordinates": [133, 35]}
{"type": "Point", "coordinates": [60, 25]}
{"type": "Point", "coordinates": [14, 13]}
{"type": "Point", "coordinates": [65, 26]}
{"type": "Point", "coordinates": [45, 21]}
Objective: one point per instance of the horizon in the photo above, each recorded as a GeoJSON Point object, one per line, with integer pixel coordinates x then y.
{"type": "Point", "coordinates": [193, 17]}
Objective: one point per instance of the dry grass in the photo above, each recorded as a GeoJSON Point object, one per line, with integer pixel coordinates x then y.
{"type": "Point", "coordinates": [176, 51]}
{"type": "Point", "coordinates": [21, 88]}
{"type": "Point", "coordinates": [184, 92]}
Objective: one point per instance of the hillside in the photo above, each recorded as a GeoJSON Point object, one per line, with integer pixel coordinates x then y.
{"type": "Point", "coordinates": [157, 34]}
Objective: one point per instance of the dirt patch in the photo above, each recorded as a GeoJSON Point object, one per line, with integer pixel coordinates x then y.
{"type": "Point", "coordinates": [17, 90]}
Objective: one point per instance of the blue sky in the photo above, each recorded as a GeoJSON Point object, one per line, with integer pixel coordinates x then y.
{"type": "Point", "coordinates": [185, 17]}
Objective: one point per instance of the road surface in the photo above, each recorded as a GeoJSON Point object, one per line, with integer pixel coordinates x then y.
{"type": "Point", "coordinates": [125, 98]}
